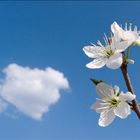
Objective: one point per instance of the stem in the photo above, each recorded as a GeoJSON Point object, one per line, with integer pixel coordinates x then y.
{"type": "Point", "coordinates": [130, 88]}
{"type": "Point", "coordinates": [128, 53]}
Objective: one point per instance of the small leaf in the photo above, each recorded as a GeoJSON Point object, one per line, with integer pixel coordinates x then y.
{"type": "Point", "coordinates": [95, 81]}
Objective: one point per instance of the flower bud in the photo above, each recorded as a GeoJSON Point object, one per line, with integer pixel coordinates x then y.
{"type": "Point", "coordinates": [130, 61]}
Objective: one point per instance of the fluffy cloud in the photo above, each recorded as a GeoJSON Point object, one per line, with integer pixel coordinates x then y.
{"type": "Point", "coordinates": [31, 91]}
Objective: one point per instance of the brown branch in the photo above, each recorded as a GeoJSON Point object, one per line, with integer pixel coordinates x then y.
{"type": "Point", "coordinates": [130, 88]}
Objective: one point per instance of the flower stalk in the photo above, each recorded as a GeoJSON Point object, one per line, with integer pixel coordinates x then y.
{"type": "Point", "coordinates": [130, 88]}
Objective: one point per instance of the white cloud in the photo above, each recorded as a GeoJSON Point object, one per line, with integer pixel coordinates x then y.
{"type": "Point", "coordinates": [32, 91]}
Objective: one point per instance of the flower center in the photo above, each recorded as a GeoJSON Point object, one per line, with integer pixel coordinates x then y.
{"type": "Point", "coordinates": [109, 53]}
{"type": "Point", "coordinates": [114, 102]}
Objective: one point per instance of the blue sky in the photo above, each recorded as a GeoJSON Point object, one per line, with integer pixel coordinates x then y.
{"type": "Point", "coordinates": [52, 34]}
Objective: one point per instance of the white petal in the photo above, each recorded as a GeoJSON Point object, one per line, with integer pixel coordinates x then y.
{"type": "Point", "coordinates": [93, 51]}
{"type": "Point", "coordinates": [115, 61]}
{"type": "Point", "coordinates": [106, 118]}
{"type": "Point", "coordinates": [122, 110]}
{"type": "Point", "coordinates": [105, 91]}
{"type": "Point", "coordinates": [127, 96]}
{"type": "Point", "coordinates": [117, 30]}
{"type": "Point", "coordinates": [97, 63]}
{"type": "Point", "coordinates": [118, 45]}
{"type": "Point", "coordinates": [100, 106]}
{"type": "Point", "coordinates": [116, 88]}
{"type": "Point", "coordinates": [121, 46]}
{"type": "Point", "coordinates": [115, 27]}
{"type": "Point", "coordinates": [131, 35]}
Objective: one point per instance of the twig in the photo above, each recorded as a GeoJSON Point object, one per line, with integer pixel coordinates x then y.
{"type": "Point", "coordinates": [130, 88]}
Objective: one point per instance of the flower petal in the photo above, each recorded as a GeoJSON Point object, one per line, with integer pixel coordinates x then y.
{"type": "Point", "coordinates": [122, 110]}
{"type": "Point", "coordinates": [116, 89]}
{"type": "Point", "coordinates": [100, 106]}
{"type": "Point", "coordinates": [105, 91]}
{"type": "Point", "coordinates": [106, 118]}
{"type": "Point", "coordinates": [131, 35]}
{"type": "Point", "coordinates": [115, 61]}
{"type": "Point", "coordinates": [97, 63]}
{"type": "Point", "coordinates": [93, 51]}
{"type": "Point", "coordinates": [121, 46]}
{"type": "Point", "coordinates": [117, 30]}
{"type": "Point", "coordinates": [127, 96]}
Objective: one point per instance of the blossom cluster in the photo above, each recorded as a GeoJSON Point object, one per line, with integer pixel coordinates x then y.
{"type": "Point", "coordinates": [113, 55]}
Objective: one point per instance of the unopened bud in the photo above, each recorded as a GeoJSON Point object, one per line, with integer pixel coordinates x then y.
{"type": "Point", "coordinates": [130, 61]}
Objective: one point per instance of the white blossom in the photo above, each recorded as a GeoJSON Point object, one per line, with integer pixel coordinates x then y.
{"type": "Point", "coordinates": [112, 103]}
{"type": "Point", "coordinates": [127, 34]}
{"type": "Point", "coordinates": [109, 55]}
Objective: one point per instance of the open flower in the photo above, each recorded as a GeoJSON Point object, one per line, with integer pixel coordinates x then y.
{"type": "Point", "coordinates": [113, 103]}
{"type": "Point", "coordinates": [109, 55]}
{"type": "Point", "coordinates": [132, 36]}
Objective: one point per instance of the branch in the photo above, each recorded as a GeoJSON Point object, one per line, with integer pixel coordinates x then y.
{"type": "Point", "coordinates": [130, 88]}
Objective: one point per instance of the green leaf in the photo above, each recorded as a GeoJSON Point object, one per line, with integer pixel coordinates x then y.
{"type": "Point", "coordinates": [95, 81]}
